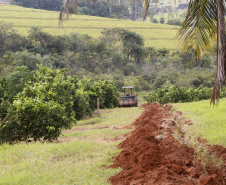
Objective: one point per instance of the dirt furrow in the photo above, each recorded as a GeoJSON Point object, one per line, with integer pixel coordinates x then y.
{"type": "Point", "coordinates": [151, 155]}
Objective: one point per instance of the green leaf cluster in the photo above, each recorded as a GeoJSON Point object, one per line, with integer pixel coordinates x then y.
{"type": "Point", "coordinates": [176, 94]}
{"type": "Point", "coordinates": [47, 103]}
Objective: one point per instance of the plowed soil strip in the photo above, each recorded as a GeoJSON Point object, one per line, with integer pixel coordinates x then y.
{"type": "Point", "coordinates": [151, 155]}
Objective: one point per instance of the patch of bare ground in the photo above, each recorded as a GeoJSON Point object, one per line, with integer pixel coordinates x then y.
{"type": "Point", "coordinates": [83, 129]}
{"type": "Point", "coordinates": [64, 139]}
{"type": "Point", "coordinates": [151, 154]}
{"type": "Point", "coordinates": [98, 140]}
{"type": "Point", "coordinates": [89, 138]}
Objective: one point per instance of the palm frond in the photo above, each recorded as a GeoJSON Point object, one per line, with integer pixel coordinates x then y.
{"type": "Point", "coordinates": [68, 7]}
{"type": "Point", "coordinates": [199, 27]}
{"type": "Point", "coordinates": [146, 6]}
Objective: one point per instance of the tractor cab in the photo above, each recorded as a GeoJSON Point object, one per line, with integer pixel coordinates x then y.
{"type": "Point", "coordinates": [128, 98]}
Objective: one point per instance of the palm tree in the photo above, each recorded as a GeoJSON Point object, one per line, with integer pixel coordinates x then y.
{"type": "Point", "coordinates": [202, 29]}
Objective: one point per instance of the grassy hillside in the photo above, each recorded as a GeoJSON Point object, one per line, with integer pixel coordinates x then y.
{"type": "Point", "coordinates": [155, 35]}
{"type": "Point", "coordinates": [209, 122]}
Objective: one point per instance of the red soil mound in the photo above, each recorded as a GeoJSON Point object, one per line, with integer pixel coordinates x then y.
{"type": "Point", "coordinates": [151, 155]}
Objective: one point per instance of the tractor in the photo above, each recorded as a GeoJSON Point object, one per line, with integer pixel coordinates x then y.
{"type": "Point", "coordinates": [128, 99]}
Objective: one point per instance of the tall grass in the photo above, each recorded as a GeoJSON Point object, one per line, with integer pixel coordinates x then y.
{"type": "Point", "coordinates": [76, 162]}
{"type": "Point", "coordinates": [209, 122]}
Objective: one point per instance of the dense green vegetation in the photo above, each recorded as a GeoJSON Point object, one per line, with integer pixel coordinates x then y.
{"type": "Point", "coordinates": [39, 4]}
{"type": "Point", "coordinates": [39, 104]}
{"type": "Point", "coordinates": [101, 8]}
{"type": "Point", "coordinates": [118, 55]}
{"type": "Point", "coordinates": [104, 9]}
{"type": "Point", "coordinates": [175, 94]}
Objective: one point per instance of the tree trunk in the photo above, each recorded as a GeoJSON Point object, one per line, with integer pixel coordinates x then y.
{"type": "Point", "coordinates": [221, 66]}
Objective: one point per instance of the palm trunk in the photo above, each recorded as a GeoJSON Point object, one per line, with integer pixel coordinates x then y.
{"type": "Point", "coordinates": [221, 65]}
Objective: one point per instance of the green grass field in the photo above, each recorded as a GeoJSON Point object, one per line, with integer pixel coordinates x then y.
{"type": "Point", "coordinates": [76, 158]}
{"type": "Point", "coordinates": [155, 35]}
{"type": "Point", "coordinates": [80, 153]}
{"type": "Point", "coordinates": [208, 122]}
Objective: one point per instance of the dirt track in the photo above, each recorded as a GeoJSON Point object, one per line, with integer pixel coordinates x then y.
{"type": "Point", "coordinates": [151, 155]}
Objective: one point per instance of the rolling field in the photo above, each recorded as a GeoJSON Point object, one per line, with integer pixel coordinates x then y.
{"type": "Point", "coordinates": [208, 122]}
{"type": "Point", "coordinates": [155, 35]}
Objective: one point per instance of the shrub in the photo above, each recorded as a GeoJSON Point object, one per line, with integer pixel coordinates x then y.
{"type": "Point", "coordinates": [119, 83]}
{"type": "Point", "coordinates": [155, 21]}
{"type": "Point", "coordinates": [110, 95]}
{"type": "Point", "coordinates": [175, 22]}
{"type": "Point", "coordinates": [17, 80]}
{"type": "Point", "coordinates": [162, 20]}
{"type": "Point", "coordinates": [33, 118]}
{"type": "Point", "coordinates": [42, 109]}
{"type": "Point", "coordinates": [81, 104]}
{"type": "Point", "coordinates": [49, 103]}
{"type": "Point", "coordinates": [105, 90]}
{"type": "Point", "coordinates": [176, 94]}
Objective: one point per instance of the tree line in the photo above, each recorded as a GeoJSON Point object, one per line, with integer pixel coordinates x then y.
{"type": "Point", "coordinates": [118, 55]}
{"type": "Point", "coordinates": [39, 4]}
{"type": "Point", "coordinates": [101, 8]}
{"type": "Point", "coordinates": [121, 9]}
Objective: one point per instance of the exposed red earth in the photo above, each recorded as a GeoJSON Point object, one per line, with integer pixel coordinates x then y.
{"type": "Point", "coordinates": [151, 155]}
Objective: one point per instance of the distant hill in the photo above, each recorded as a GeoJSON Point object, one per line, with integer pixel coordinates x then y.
{"type": "Point", "coordinates": [155, 35]}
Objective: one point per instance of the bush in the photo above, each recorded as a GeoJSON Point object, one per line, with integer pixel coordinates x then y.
{"type": "Point", "coordinates": [101, 9]}
{"type": "Point", "coordinates": [129, 69]}
{"type": "Point", "coordinates": [162, 20]}
{"type": "Point", "coordinates": [17, 80]}
{"type": "Point", "coordinates": [48, 103]}
{"type": "Point", "coordinates": [175, 94]}
{"type": "Point", "coordinates": [163, 52]}
{"type": "Point", "coordinates": [33, 118]}
{"type": "Point", "coordinates": [110, 95]}
{"type": "Point", "coordinates": [119, 83]}
{"type": "Point", "coordinates": [105, 90]}
{"type": "Point", "coordinates": [175, 22]}
{"type": "Point", "coordinates": [155, 21]}
{"type": "Point", "coordinates": [42, 109]}
{"type": "Point", "coordinates": [81, 104]}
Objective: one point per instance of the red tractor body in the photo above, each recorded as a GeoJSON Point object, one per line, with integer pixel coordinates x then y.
{"type": "Point", "coordinates": [128, 99]}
